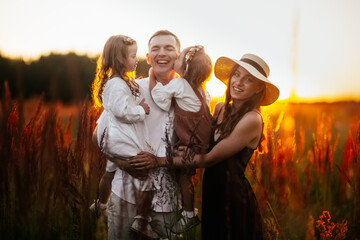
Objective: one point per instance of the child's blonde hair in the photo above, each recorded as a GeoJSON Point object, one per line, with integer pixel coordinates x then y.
{"type": "Point", "coordinates": [111, 63]}
{"type": "Point", "coordinates": [198, 66]}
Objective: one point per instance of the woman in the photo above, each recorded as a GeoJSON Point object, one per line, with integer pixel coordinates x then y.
{"type": "Point", "coordinates": [229, 206]}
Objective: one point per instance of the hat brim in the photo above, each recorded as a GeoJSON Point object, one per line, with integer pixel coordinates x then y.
{"type": "Point", "coordinates": [224, 67]}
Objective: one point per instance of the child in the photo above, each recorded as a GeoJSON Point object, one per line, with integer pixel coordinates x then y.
{"type": "Point", "coordinates": [121, 131]}
{"type": "Point", "coordinates": [192, 123]}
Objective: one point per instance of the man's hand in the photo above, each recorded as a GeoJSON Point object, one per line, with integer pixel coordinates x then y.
{"type": "Point", "coordinates": [144, 161]}
{"type": "Point", "coordinates": [141, 174]}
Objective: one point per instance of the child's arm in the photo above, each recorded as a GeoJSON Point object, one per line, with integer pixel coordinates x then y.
{"type": "Point", "coordinates": [152, 80]}
{"type": "Point", "coordinates": [163, 94]}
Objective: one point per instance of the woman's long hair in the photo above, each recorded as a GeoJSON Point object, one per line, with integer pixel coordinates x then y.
{"type": "Point", "coordinates": [110, 64]}
{"type": "Point", "coordinates": [232, 118]}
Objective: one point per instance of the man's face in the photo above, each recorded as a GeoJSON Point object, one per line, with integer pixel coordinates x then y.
{"type": "Point", "coordinates": [163, 51]}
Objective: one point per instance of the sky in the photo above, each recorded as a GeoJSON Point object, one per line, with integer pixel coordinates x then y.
{"type": "Point", "coordinates": [311, 46]}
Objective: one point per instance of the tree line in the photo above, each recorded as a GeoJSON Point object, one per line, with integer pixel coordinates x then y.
{"type": "Point", "coordinates": [58, 77]}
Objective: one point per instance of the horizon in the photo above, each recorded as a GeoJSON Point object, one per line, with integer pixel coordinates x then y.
{"type": "Point", "coordinates": [215, 87]}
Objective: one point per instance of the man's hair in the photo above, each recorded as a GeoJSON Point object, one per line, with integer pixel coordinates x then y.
{"type": "Point", "coordinates": [165, 32]}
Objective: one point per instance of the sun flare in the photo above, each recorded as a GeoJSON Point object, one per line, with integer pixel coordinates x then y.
{"type": "Point", "coordinates": [215, 87]}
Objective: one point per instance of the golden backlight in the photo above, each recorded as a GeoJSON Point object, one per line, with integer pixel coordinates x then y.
{"type": "Point", "coordinates": [215, 87]}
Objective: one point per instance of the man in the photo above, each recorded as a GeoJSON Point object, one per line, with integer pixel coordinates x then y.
{"type": "Point", "coordinates": [164, 48]}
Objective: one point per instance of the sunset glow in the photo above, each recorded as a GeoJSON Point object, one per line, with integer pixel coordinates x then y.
{"type": "Point", "coordinates": [215, 87]}
{"type": "Point", "coordinates": [310, 63]}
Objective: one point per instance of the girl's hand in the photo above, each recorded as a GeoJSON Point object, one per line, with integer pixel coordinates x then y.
{"type": "Point", "coordinates": [145, 106]}
{"type": "Point", "coordinates": [143, 161]}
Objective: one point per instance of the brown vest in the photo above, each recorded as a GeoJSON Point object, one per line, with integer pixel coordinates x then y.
{"type": "Point", "coordinates": [193, 128]}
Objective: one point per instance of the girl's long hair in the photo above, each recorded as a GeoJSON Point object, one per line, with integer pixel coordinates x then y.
{"type": "Point", "coordinates": [111, 63]}
{"type": "Point", "coordinates": [232, 118]}
{"type": "Point", "coordinates": [199, 69]}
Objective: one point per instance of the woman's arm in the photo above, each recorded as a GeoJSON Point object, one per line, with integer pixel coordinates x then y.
{"type": "Point", "coordinates": [247, 130]}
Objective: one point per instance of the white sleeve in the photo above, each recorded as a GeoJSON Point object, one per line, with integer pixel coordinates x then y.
{"type": "Point", "coordinates": [163, 94]}
{"type": "Point", "coordinates": [122, 106]}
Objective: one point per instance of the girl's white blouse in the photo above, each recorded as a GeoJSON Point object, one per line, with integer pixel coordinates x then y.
{"type": "Point", "coordinates": [121, 125]}
{"type": "Point", "coordinates": [180, 89]}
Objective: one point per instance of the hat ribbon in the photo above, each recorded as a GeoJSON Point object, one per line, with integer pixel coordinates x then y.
{"type": "Point", "coordinates": [255, 65]}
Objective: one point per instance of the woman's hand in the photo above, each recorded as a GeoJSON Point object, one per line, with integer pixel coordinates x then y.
{"type": "Point", "coordinates": [144, 161]}
{"type": "Point", "coordinates": [180, 151]}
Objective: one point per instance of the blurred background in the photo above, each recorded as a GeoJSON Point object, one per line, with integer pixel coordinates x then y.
{"type": "Point", "coordinates": [306, 178]}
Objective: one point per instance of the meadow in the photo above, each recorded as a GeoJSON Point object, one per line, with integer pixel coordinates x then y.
{"type": "Point", "coordinates": [306, 178]}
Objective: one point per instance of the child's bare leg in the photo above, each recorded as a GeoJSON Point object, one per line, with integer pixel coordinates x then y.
{"type": "Point", "coordinates": [144, 203]}
{"type": "Point", "coordinates": [187, 191]}
{"type": "Point", "coordinates": [190, 218]}
{"type": "Point", "coordinates": [142, 220]}
{"type": "Point", "coordinates": [99, 204]}
{"type": "Point", "coordinates": [105, 186]}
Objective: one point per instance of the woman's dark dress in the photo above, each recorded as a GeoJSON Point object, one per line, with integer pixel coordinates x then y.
{"type": "Point", "coordinates": [229, 206]}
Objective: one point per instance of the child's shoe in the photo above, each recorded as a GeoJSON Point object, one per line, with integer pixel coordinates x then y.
{"type": "Point", "coordinates": [98, 208]}
{"type": "Point", "coordinates": [142, 227]}
{"type": "Point", "coordinates": [185, 224]}
{"type": "Point", "coordinates": [188, 220]}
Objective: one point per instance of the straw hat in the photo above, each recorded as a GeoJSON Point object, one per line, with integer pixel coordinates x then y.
{"type": "Point", "coordinates": [255, 66]}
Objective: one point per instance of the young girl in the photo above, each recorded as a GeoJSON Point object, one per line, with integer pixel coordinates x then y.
{"type": "Point", "coordinates": [192, 123]}
{"type": "Point", "coordinates": [121, 131]}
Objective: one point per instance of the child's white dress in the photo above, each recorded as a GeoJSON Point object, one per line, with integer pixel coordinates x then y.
{"type": "Point", "coordinates": [122, 131]}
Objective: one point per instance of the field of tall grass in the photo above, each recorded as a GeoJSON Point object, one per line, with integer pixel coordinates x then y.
{"type": "Point", "coordinates": [306, 178]}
